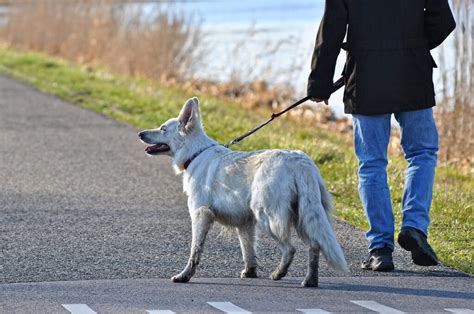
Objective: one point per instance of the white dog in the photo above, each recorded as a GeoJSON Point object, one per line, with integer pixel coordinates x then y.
{"type": "Point", "coordinates": [274, 189]}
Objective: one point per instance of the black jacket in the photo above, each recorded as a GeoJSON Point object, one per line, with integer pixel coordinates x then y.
{"type": "Point", "coordinates": [389, 66]}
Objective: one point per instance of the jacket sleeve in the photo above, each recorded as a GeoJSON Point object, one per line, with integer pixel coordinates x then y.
{"type": "Point", "coordinates": [331, 33]}
{"type": "Point", "coordinates": [439, 21]}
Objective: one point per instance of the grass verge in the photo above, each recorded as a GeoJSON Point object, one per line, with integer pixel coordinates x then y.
{"type": "Point", "coordinates": [145, 104]}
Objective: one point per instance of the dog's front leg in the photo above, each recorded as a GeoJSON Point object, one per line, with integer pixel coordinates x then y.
{"type": "Point", "coordinates": [202, 220]}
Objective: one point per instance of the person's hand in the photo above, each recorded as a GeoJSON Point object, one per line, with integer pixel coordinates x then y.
{"type": "Point", "coordinates": [318, 100]}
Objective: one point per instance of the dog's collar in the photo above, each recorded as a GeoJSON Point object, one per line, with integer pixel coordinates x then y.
{"type": "Point", "coordinates": [188, 162]}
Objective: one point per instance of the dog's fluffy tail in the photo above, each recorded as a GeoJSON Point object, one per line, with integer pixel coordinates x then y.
{"type": "Point", "coordinates": [315, 218]}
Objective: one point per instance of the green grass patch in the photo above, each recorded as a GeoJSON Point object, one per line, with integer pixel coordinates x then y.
{"type": "Point", "coordinates": [146, 104]}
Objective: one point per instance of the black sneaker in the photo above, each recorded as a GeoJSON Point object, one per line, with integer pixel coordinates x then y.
{"type": "Point", "coordinates": [415, 241]}
{"type": "Point", "coordinates": [379, 260]}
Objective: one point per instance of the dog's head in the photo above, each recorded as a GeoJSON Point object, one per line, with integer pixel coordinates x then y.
{"type": "Point", "coordinates": [171, 137]}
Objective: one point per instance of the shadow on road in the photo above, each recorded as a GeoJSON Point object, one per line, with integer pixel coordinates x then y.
{"type": "Point", "coordinates": [403, 290]}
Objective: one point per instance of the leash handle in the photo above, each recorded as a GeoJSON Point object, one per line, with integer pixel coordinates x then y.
{"type": "Point", "coordinates": [337, 85]}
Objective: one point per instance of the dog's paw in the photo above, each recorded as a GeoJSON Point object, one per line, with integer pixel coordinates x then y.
{"type": "Point", "coordinates": [180, 278]}
{"type": "Point", "coordinates": [277, 275]}
{"type": "Point", "coordinates": [249, 273]}
{"type": "Point", "coordinates": [310, 283]}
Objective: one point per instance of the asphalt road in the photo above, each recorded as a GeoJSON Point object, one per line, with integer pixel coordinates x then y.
{"type": "Point", "coordinates": [341, 294]}
{"type": "Point", "coordinates": [79, 200]}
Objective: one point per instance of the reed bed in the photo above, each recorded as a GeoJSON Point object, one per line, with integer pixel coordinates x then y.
{"type": "Point", "coordinates": [116, 34]}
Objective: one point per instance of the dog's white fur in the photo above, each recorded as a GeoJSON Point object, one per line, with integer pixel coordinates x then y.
{"type": "Point", "coordinates": [276, 190]}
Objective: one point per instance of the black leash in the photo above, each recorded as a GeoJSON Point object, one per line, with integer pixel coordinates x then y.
{"type": "Point", "coordinates": [338, 84]}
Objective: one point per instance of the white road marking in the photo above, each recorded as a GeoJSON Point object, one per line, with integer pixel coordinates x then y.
{"type": "Point", "coordinates": [78, 309]}
{"type": "Point", "coordinates": [377, 307]}
{"type": "Point", "coordinates": [313, 311]}
{"type": "Point", "coordinates": [460, 311]}
{"type": "Point", "coordinates": [227, 307]}
{"type": "Point", "coordinates": [160, 312]}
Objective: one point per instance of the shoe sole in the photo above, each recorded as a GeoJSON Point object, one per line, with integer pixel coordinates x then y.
{"type": "Point", "coordinates": [418, 255]}
{"type": "Point", "coordinates": [385, 268]}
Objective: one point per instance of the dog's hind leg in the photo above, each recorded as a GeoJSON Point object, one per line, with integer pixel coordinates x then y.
{"type": "Point", "coordinates": [311, 279]}
{"type": "Point", "coordinates": [202, 220]}
{"type": "Point", "coordinates": [280, 231]}
{"type": "Point", "coordinates": [288, 252]}
{"type": "Point", "coordinates": [247, 243]}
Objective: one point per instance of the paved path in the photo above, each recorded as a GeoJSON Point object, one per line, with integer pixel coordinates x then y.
{"type": "Point", "coordinates": [79, 200]}
{"type": "Point", "coordinates": [350, 294]}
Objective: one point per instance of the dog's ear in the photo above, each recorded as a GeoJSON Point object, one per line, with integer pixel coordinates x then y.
{"type": "Point", "coordinates": [190, 115]}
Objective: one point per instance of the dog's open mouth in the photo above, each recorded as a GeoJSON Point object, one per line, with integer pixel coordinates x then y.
{"type": "Point", "coordinates": [157, 149]}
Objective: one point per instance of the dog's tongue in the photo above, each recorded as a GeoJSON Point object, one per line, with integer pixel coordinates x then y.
{"type": "Point", "coordinates": [158, 148]}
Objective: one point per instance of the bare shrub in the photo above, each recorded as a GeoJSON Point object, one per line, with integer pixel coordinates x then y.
{"type": "Point", "coordinates": [159, 45]}
{"type": "Point", "coordinates": [455, 112]}
{"type": "Point", "coordinates": [249, 63]}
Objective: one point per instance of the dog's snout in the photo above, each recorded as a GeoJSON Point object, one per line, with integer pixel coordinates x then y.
{"type": "Point", "coordinates": [141, 135]}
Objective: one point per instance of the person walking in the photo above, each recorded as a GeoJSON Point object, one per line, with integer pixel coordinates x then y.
{"type": "Point", "coordinates": [388, 71]}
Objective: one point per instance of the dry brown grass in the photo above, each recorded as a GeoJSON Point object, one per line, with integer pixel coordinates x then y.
{"type": "Point", "coordinates": [455, 113]}
{"type": "Point", "coordinates": [165, 46]}
{"type": "Point", "coordinates": [159, 46]}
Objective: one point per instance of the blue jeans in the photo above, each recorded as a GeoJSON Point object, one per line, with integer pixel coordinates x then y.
{"type": "Point", "coordinates": [419, 139]}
